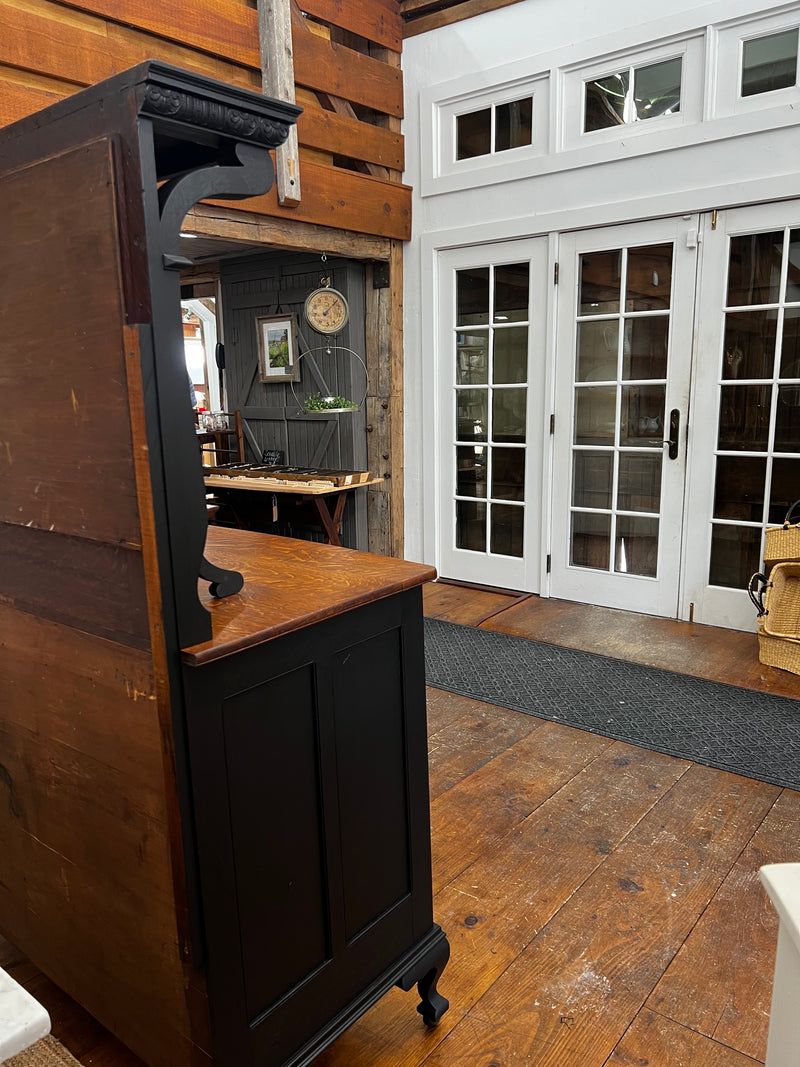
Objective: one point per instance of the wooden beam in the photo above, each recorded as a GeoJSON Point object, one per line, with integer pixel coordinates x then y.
{"type": "Point", "coordinates": [277, 78]}
{"type": "Point", "coordinates": [289, 234]}
{"type": "Point", "coordinates": [455, 12]}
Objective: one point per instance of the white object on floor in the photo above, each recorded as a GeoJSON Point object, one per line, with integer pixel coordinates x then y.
{"type": "Point", "coordinates": [782, 882]}
{"type": "Point", "coordinates": [23, 1020]}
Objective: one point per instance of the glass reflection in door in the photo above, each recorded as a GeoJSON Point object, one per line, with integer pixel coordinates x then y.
{"type": "Point", "coordinates": [757, 456]}
{"type": "Point", "coordinates": [491, 395]}
{"type": "Point", "coordinates": [619, 396]}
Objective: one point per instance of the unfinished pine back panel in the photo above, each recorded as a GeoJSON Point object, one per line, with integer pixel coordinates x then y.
{"type": "Point", "coordinates": [87, 880]}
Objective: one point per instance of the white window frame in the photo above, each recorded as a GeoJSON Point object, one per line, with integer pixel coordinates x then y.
{"type": "Point", "coordinates": [442, 172]}
{"type": "Point", "coordinates": [689, 49]}
{"type": "Point", "coordinates": [730, 41]}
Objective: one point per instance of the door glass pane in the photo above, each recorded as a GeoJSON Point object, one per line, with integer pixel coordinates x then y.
{"type": "Point", "coordinates": [657, 89]}
{"type": "Point", "coordinates": [644, 350]}
{"type": "Point", "coordinates": [605, 102]}
{"type": "Point", "coordinates": [744, 417]}
{"type": "Point", "coordinates": [595, 415]}
{"type": "Point", "coordinates": [598, 342]}
{"type": "Point", "coordinates": [636, 550]}
{"type": "Point", "coordinates": [592, 474]}
{"type": "Point", "coordinates": [787, 419]}
{"type": "Point", "coordinates": [639, 486]}
{"type": "Point", "coordinates": [472, 358]}
{"type": "Point", "coordinates": [472, 297]}
{"type": "Point", "coordinates": [790, 345]}
{"type": "Point", "coordinates": [739, 488]}
{"type": "Point", "coordinates": [507, 529]}
{"type": "Point", "coordinates": [600, 282]}
{"type": "Point", "coordinates": [735, 555]}
{"type": "Point", "coordinates": [508, 415]}
{"type": "Point", "coordinates": [471, 471]}
{"type": "Point", "coordinates": [785, 488]}
{"type": "Point", "coordinates": [649, 278]}
{"type": "Point", "coordinates": [508, 473]}
{"type": "Point", "coordinates": [769, 63]}
{"type": "Point", "coordinates": [474, 134]}
{"type": "Point", "coordinates": [793, 273]}
{"type": "Point", "coordinates": [749, 349]}
{"type": "Point", "coordinates": [510, 355]}
{"type": "Point", "coordinates": [754, 271]}
{"type": "Point", "coordinates": [513, 124]}
{"type": "Point", "coordinates": [471, 525]}
{"type": "Point", "coordinates": [472, 414]}
{"type": "Point", "coordinates": [511, 287]}
{"type": "Point", "coordinates": [642, 416]}
{"type": "Point", "coordinates": [590, 541]}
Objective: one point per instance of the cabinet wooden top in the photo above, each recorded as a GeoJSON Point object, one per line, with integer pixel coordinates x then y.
{"type": "Point", "coordinates": [290, 584]}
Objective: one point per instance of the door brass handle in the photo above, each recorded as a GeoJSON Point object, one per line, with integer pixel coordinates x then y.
{"type": "Point", "coordinates": [674, 427]}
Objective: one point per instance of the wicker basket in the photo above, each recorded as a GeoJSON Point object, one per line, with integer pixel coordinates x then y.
{"type": "Point", "coordinates": [779, 652]}
{"type": "Point", "coordinates": [782, 543]}
{"type": "Point", "coordinates": [781, 616]}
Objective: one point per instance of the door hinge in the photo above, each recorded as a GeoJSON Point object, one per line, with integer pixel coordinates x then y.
{"type": "Point", "coordinates": [552, 424]}
{"type": "Point", "coordinates": [555, 274]}
{"type": "Point", "coordinates": [714, 219]}
{"type": "Point", "coordinates": [547, 564]}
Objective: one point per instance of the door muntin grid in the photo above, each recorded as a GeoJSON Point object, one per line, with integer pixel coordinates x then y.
{"type": "Point", "coordinates": [757, 456]}
{"type": "Point", "coordinates": [619, 391]}
{"type": "Point", "coordinates": [490, 360]}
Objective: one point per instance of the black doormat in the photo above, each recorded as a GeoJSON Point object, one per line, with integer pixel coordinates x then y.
{"type": "Point", "coordinates": [750, 733]}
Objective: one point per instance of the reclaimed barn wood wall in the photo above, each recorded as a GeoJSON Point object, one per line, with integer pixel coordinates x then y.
{"type": "Point", "coordinates": [347, 74]}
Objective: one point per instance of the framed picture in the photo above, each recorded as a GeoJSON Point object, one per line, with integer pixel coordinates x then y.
{"type": "Point", "coordinates": [277, 348]}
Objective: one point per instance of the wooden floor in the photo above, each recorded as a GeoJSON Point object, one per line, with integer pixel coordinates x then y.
{"type": "Point", "coordinates": [602, 901]}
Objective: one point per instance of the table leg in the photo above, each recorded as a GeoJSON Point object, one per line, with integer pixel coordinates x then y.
{"type": "Point", "coordinates": [331, 524]}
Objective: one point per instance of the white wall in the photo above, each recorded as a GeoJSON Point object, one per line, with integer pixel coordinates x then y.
{"type": "Point", "coordinates": [717, 156]}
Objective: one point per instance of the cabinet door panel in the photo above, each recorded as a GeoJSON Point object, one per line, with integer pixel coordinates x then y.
{"type": "Point", "coordinates": [372, 786]}
{"type": "Point", "coordinates": [282, 903]}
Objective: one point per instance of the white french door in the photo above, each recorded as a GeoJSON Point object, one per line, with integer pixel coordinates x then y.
{"type": "Point", "coordinates": [623, 363]}
{"type": "Point", "coordinates": [670, 362]}
{"type": "Point", "coordinates": [745, 428]}
{"type": "Point", "coordinates": [490, 412]}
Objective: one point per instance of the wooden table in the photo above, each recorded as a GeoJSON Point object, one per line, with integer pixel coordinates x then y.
{"type": "Point", "coordinates": [327, 501]}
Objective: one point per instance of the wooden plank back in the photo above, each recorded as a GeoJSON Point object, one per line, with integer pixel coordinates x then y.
{"type": "Point", "coordinates": [86, 887]}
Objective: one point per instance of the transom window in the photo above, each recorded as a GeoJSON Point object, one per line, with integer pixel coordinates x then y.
{"type": "Point", "coordinates": [633, 95]}
{"type": "Point", "coordinates": [769, 63]}
{"type": "Point", "coordinates": [494, 129]}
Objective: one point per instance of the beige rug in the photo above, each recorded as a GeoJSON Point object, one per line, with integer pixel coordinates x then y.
{"type": "Point", "coordinates": [45, 1053]}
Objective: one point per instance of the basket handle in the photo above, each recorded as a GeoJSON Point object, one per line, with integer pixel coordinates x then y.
{"type": "Point", "coordinates": [757, 595]}
{"type": "Point", "coordinates": [789, 514]}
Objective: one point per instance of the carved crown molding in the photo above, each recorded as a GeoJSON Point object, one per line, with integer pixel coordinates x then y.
{"type": "Point", "coordinates": [212, 115]}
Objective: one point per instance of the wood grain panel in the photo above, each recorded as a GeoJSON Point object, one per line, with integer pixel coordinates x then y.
{"type": "Point", "coordinates": [17, 101]}
{"type": "Point", "coordinates": [344, 200]}
{"type": "Point", "coordinates": [478, 734]}
{"type": "Point", "coordinates": [330, 132]}
{"type": "Point", "coordinates": [376, 20]}
{"type": "Point", "coordinates": [65, 459]}
{"type": "Point", "coordinates": [660, 1042]}
{"type": "Point", "coordinates": [723, 994]}
{"type": "Point", "coordinates": [87, 50]}
{"type": "Point", "coordinates": [223, 28]}
{"type": "Point", "coordinates": [86, 872]}
{"type": "Point", "coordinates": [482, 809]}
{"type": "Point", "coordinates": [577, 984]}
{"type": "Point", "coordinates": [329, 67]}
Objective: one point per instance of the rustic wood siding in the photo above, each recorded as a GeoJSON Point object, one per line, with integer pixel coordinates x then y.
{"type": "Point", "coordinates": [347, 74]}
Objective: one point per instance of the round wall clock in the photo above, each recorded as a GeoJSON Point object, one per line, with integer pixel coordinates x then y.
{"type": "Point", "coordinates": [326, 310]}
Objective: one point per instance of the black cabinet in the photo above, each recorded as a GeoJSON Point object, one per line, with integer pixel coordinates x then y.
{"type": "Point", "coordinates": [310, 781]}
